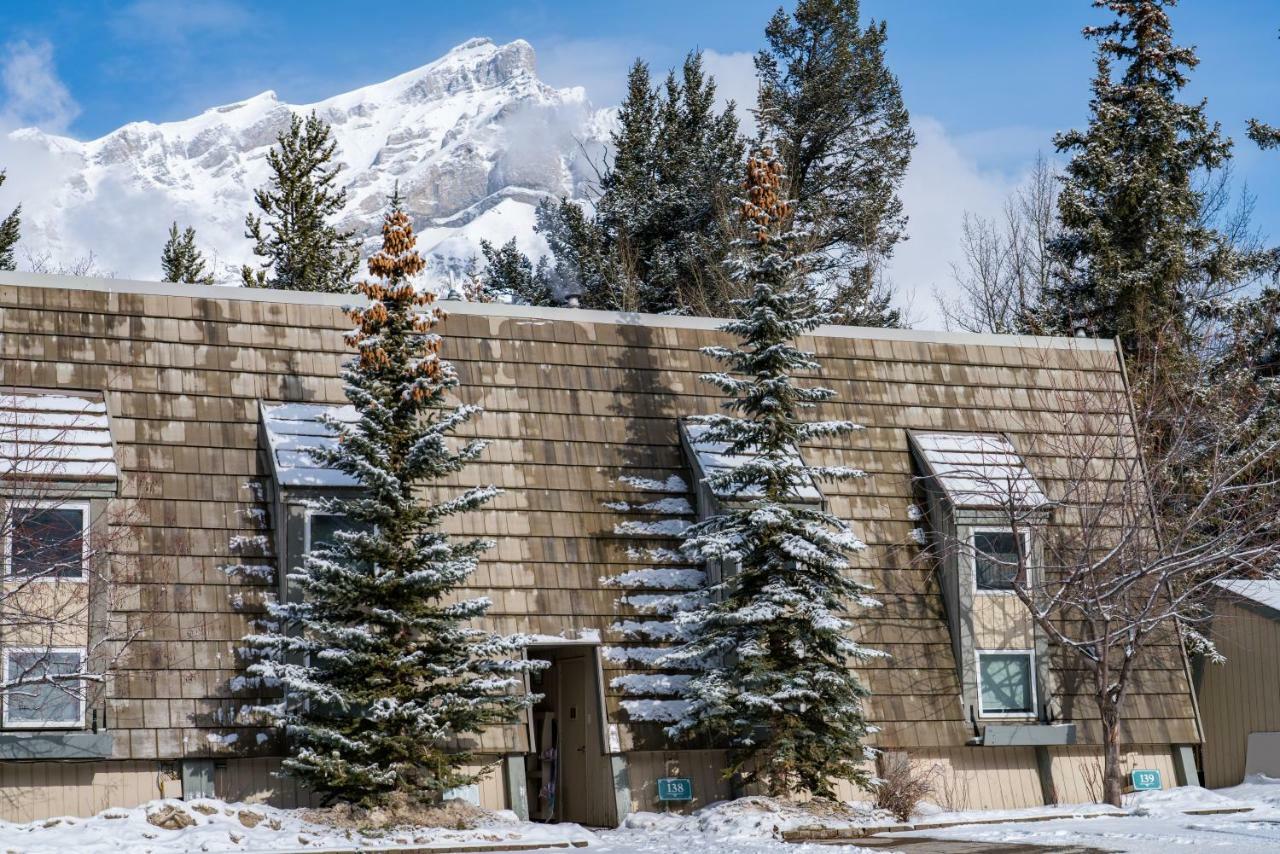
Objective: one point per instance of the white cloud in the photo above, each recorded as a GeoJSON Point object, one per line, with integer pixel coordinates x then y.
{"type": "Point", "coordinates": [735, 75]}
{"type": "Point", "coordinates": [33, 93]}
{"type": "Point", "coordinates": [942, 183]}
{"type": "Point", "coordinates": [597, 65]}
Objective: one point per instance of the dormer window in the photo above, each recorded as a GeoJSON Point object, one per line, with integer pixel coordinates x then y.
{"type": "Point", "coordinates": [709, 459]}
{"type": "Point", "coordinates": [997, 559]}
{"type": "Point", "coordinates": [984, 509]}
{"type": "Point", "coordinates": [48, 540]}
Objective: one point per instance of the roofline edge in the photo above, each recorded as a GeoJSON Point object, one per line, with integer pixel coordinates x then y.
{"type": "Point", "coordinates": [619, 318]}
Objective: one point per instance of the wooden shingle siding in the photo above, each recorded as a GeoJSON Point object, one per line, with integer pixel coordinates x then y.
{"type": "Point", "coordinates": [1241, 695]}
{"type": "Point", "coordinates": [573, 404]}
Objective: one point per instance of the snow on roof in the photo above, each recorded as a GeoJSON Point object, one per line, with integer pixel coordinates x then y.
{"type": "Point", "coordinates": [57, 435]}
{"type": "Point", "coordinates": [713, 458]}
{"type": "Point", "coordinates": [1265, 593]}
{"type": "Point", "coordinates": [977, 470]}
{"type": "Point", "coordinates": [293, 431]}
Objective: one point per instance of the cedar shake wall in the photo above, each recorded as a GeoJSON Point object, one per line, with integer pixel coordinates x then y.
{"type": "Point", "coordinates": [573, 402]}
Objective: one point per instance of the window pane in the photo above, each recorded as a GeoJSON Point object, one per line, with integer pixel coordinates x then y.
{"type": "Point", "coordinates": [1005, 682]}
{"type": "Point", "coordinates": [47, 541]}
{"type": "Point", "coordinates": [996, 559]}
{"type": "Point", "coordinates": [324, 526]}
{"type": "Point", "coordinates": [42, 703]}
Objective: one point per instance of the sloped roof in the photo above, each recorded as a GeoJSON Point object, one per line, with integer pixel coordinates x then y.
{"type": "Point", "coordinates": [1261, 592]}
{"type": "Point", "coordinates": [57, 435]}
{"type": "Point", "coordinates": [292, 432]}
{"type": "Point", "coordinates": [977, 470]}
{"type": "Point", "coordinates": [713, 458]}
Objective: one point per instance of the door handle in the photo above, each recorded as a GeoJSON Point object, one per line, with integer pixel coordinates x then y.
{"type": "Point", "coordinates": [582, 749]}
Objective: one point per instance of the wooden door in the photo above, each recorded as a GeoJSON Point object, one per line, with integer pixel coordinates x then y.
{"type": "Point", "coordinates": [574, 789]}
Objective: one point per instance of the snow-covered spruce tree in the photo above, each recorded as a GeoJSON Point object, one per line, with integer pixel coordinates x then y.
{"type": "Point", "coordinates": [181, 260]}
{"type": "Point", "coordinates": [301, 250]}
{"type": "Point", "coordinates": [10, 232]}
{"type": "Point", "coordinates": [379, 664]}
{"type": "Point", "coordinates": [772, 646]}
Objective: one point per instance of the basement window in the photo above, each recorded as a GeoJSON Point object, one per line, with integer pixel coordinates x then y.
{"type": "Point", "coordinates": [56, 704]}
{"type": "Point", "coordinates": [1006, 683]}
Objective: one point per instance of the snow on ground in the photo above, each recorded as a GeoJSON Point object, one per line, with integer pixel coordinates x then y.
{"type": "Point", "coordinates": [216, 826]}
{"type": "Point", "coordinates": [745, 826]}
{"type": "Point", "coordinates": [1158, 824]}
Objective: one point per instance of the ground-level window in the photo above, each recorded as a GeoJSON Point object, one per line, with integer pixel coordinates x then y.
{"type": "Point", "coordinates": [32, 703]}
{"type": "Point", "coordinates": [996, 559]}
{"type": "Point", "coordinates": [1006, 683]}
{"type": "Point", "coordinates": [47, 540]}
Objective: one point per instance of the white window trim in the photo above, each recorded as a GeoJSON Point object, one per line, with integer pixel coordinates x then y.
{"type": "Point", "coordinates": [80, 698]}
{"type": "Point", "coordinates": [86, 522]}
{"type": "Point", "coordinates": [973, 556]}
{"type": "Point", "coordinates": [1030, 655]}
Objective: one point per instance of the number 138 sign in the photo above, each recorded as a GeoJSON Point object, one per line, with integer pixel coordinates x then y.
{"type": "Point", "coordinates": [675, 789]}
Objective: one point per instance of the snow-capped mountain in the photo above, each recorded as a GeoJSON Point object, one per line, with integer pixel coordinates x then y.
{"type": "Point", "coordinates": [474, 139]}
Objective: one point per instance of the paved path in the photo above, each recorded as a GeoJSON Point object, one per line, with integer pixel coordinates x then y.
{"type": "Point", "coordinates": [925, 845]}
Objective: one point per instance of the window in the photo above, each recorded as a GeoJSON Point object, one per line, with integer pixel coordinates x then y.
{"type": "Point", "coordinates": [43, 704]}
{"type": "Point", "coordinates": [321, 528]}
{"type": "Point", "coordinates": [995, 559]}
{"type": "Point", "coordinates": [1006, 683]}
{"type": "Point", "coordinates": [48, 541]}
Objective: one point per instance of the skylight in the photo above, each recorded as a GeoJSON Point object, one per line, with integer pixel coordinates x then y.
{"type": "Point", "coordinates": [293, 431]}
{"type": "Point", "coordinates": [977, 470]}
{"type": "Point", "coordinates": [711, 458]}
{"type": "Point", "coordinates": [55, 435]}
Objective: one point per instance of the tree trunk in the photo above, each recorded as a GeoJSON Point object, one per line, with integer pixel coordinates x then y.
{"type": "Point", "coordinates": [1112, 783]}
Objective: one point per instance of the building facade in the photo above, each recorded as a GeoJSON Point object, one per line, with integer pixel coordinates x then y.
{"type": "Point", "coordinates": [210, 396]}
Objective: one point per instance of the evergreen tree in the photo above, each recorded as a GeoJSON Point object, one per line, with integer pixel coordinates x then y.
{"type": "Point", "coordinates": [380, 670]}
{"type": "Point", "coordinates": [302, 251]}
{"type": "Point", "coordinates": [509, 273]}
{"type": "Point", "coordinates": [181, 260]}
{"type": "Point", "coordinates": [10, 233]}
{"type": "Point", "coordinates": [1135, 251]}
{"type": "Point", "coordinates": [772, 646]}
{"type": "Point", "coordinates": [657, 227]}
{"type": "Point", "coordinates": [834, 112]}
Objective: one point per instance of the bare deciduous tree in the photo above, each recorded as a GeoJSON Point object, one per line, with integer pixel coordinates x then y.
{"type": "Point", "coordinates": [1134, 533]}
{"type": "Point", "coordinates": [1007, 262]}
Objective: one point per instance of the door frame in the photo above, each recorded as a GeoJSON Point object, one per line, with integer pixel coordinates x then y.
{"type": "Point", "coordinates": [591, 649]}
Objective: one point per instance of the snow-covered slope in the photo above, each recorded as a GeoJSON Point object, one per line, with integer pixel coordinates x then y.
{"type": "Point", "coordinates": [474, 140]}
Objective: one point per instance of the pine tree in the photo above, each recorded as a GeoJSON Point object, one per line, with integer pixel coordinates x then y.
{"type": "Point", "coordinates": [657, 227]}
{"type": "Point", "coordinates": [379, 669]}
{"type": "Point", "coordinates": [772, 645]}
{"type": "Point", "coordinates": [834, 112]}
{"type": "Point", "coordinates": [181, 260]}
{"type": "Point", "coordinates": [10, 233]}
{"type": "Point", "coordinates": [508, 273]}
{"type": "Point", "coordinates": [302, 251]}
{"type": "Point", "coordinates": [1135, 251]}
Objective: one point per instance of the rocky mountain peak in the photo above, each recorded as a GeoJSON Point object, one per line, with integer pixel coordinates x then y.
{"type": "Point", "coordinates": [474, 139]}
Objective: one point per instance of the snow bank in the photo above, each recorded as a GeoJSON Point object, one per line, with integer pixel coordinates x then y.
{"type": "Point", "coordinates": [214, 826]}
{"type": "Point", "coordinates": [755, 818]}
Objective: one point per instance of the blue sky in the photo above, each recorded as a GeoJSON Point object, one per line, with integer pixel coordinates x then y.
{"type": "Point", "coordinates": [987, 81]}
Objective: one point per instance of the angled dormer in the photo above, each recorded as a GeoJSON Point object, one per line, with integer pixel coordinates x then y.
{"type": "Point", "coordinates": [984, 511]}
{"type": "Point", "coordinates": [708, 458]}
{"type": "Point", "coordinates": [290, 435]}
